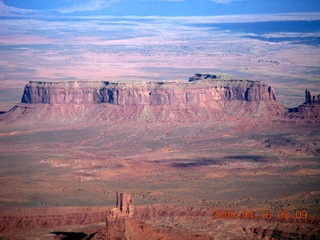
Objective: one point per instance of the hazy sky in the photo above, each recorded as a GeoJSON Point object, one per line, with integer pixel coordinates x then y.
{"type": "Point", "coordinates": [157, 7]}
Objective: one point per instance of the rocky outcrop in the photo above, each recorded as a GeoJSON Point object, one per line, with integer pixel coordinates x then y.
{"type": "Point", "coordinates": [124, 208]}
{"type": "Point", "coordinates": [206, 88]}
{"type": "Point", "coordinates": [311, 99]}
{"type": "Point", "coordinates": [202, 77]}
{"type": "Point", "coordinates": [309, 110]}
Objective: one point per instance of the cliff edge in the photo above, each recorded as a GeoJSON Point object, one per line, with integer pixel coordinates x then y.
{"type": "Point", "coordinates": [204, 97]}
{"type": "Point", "coordinates": [146, 93]}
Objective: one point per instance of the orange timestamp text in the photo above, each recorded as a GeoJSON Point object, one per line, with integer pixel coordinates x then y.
{"type": "Point", "coordinates": [265, 214]}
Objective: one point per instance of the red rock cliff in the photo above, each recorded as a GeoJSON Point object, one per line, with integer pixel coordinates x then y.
{"type": "Point", "coordinates": [202, 98]}
{"type": "Point", "coordinates": [147, 93]}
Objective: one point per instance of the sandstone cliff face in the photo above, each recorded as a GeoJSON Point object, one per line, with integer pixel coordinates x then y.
{"type": "Point", "coordinates": [207, 97]}
{"type": "Point", "coordinates": [147, 93]}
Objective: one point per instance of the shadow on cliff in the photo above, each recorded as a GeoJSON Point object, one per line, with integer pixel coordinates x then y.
{"type": "Point", "coordinates": [74, 235]}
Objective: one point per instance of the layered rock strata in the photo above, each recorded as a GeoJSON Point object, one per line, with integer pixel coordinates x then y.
{"type": "Point", "coordinates": [207, 97]}
{"type": "Point", "coordinates": [147, 93]}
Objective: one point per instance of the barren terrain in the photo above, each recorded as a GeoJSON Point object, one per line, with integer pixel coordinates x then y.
{"type": "Point", "coordinates": [60, 169]}
{"type": "Point", "coordinates": [185, 155]}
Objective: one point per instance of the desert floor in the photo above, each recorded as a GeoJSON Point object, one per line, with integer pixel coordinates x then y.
{"type": "Point", "coordinates": [248, 165]}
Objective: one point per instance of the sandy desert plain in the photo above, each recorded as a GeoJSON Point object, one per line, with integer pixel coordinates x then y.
{"type": "Point", "coordinates": [63, 162]}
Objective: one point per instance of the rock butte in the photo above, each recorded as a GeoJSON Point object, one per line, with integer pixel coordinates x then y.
{"type": "Point", "coordinates": [203, 97]}
{"type": "Point", "coordinates": [202, 89]}
{"type": "Point", "coordinates": [124, 208]}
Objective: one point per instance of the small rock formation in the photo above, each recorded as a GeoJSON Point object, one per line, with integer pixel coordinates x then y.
{"type": "Point", "coordinates": [310, 109]}
{"type": "Point", "coordinates": [124, 208]}
{"type": "Point", "coordinates": [311, 99]}
{"type": "Point", "coordinates": [199, 77]}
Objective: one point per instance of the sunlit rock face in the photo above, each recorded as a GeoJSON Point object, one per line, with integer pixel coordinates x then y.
{"type": "Point", "coordinates": [150, 93]}
{"type": "Point", "coordinates": [205, 98]}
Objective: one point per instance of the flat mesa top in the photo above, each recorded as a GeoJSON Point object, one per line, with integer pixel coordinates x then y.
{"type": "Point", "coordinates": [201, 79]}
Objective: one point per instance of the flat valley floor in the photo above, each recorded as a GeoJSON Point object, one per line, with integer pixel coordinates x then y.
{"type": "Point", "coordinates": [249, 165]}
